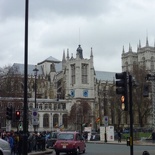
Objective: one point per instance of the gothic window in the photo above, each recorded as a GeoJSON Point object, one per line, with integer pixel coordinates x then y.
{"type": "Point", "coordinates": [59, 106]}
{"type": "Point", "coordinates": [73, 74]}
{"type": "Point", "coordinates": [55, 120]}
{"type": "Point", "coordinates": [64, 120]}
{"type": "Point", "coordinates": [84, 73]}
{"type": "Point", "coordinates": [55, 106]}
{"type": "Point", "coordinates": [143, 61]}
{"type": "Point", "coordinates": [46, 106]}
{"type": "Point", "coordinates": [152, 63]}
{"type": "Point", "coordinates": [63, 106]}
{"type": "Point", "coordinates": [40, 106]}
{"type": "Point", "coordinates": [46, 121]}
{"type": "Point", "coordinates": [50, 106]}
{"type": "Point", "coordinates": [52, 67]}
{"type": "Point", "coordinates": [126, 66]}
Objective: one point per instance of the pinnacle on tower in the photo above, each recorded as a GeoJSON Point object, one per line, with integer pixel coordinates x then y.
{"type": "Point", "coordinates": [91, 54]}
{"type": "Point", "coordinates": [139, 44]}
{"type": "Point", "coordinates": [130, 48]}
{"type": "Point", "coordinates": [147, 42]}
{"type": "Point", "coordinates": [123, 50]}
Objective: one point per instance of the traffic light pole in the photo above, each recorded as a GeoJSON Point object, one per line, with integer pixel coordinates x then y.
{"type": "Point", "coordinates": [131, 115]}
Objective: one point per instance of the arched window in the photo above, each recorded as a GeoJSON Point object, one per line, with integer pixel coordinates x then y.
{"type": "Point", "coordinates": [40, 106]}
{"type": "Point", "coordinates": [46, 106]}
{"type": "Point", "coordinates": [55, 106]}
{"type": "Point", "coordinates": [126, 66]}
{"type": "Point", "coordinates": [52, 67]}
{"type": "Point", "coordinates": [55, 120]}
{"type": "Point", "coordinates": [64, 120]}
{"type": "Point", "coordinates": [84, 73]}
{"type": "Point", "coordinates": [143, 62]}
{"type": "Point", "coordinates": [46, 120]}
{"type": "Point", "coordinates": [73, 74]}
{"type": "Point", "coordinates": [50, 106]}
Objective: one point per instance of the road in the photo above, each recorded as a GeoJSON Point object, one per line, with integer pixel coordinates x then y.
{"type": "Point", "coordinates": [114, 149]}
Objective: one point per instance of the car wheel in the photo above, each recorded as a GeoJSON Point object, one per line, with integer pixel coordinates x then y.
{"type": "Point", "coordinates": [84, 151]}
{"type": "Point", "coordinates": [77, 151]}
{"type": "Point", "coordinates": [57, 153]}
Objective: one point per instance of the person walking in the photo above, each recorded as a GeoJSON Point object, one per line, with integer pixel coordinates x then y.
{"type": "Point", "coordinates": [119, 136]}
{"type": "Point", "coordinates": [153, 136]}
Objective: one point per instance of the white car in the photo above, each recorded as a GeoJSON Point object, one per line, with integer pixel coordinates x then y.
{"type": "Point", "coordinates": [4, 147]}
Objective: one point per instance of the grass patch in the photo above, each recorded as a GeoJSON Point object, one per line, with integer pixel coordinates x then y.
{"type": "Point", "coordinates": [138, 135]}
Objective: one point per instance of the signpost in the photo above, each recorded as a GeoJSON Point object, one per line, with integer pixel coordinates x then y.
{"type": "Point", "coordinates": [105, 121]}
{"type": "Point", "coordinates": [150, 77]}
{"type": "Point", "coordinates": [106, 125]}
{"type": "Point", "coordinates": [34, 116]}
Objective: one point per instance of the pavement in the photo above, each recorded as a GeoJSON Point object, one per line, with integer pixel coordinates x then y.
{"type": "Point", "coordinates": [123, 142]}
{"type": "Point", "coordinates": [47, 151]}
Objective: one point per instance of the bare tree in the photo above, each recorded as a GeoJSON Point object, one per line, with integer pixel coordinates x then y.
{"type": "Point", "coordinates": [142, 106]}
{"type": "Point", "coordinates": [80, 114]}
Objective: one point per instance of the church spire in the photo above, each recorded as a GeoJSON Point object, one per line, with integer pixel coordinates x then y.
{"type": "Point", "coordinates": [147, 42]}
{"type": "Point", "coordinates": [67, 54]}
{"type": "Point", "coordinates": [63, 58]}
{"type": "Point", "coordinates": [130, 48]}
{"type": "Point", "coordinates": [123, 51]}
{"type": "Point", "coordinates": [139, 44]}
{"type": "Point", "coordinates": [91, 53]}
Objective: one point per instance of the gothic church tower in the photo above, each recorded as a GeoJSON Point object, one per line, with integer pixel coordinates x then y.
{"type": "Point", "coordinates": [80, 76]}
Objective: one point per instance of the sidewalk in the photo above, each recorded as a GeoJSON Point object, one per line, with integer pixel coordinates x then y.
{"type": "Point", "coordinates": [47, 151]}
{"type": "Point", "coordinates": [139, 142]}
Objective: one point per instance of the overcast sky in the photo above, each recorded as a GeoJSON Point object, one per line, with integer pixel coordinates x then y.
{"type": "Point", "coordinates": [57, 25]}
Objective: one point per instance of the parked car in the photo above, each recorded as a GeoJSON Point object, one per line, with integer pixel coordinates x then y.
{"type": "Point", "coordinates": [70, 142]}
{"type": "Point", "coordinates": [51, 139]}
{"type": "Point", "coordinates": [4, 147]}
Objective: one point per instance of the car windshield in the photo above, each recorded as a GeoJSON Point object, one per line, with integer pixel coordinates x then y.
{"type": "Point", "coordinates": [66, 136]}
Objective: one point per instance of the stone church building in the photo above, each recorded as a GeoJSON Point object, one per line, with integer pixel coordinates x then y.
{"type": "Point", "coordinates": [60, 85]}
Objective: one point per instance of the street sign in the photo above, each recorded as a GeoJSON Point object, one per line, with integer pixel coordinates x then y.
{"type": "Point", "coordinates": [150, 77]}
{"type": "Point", "coordinates": [35, 113]}
{"type": "Point", "coordinates": [35, 116]}
{"type": "Point", "coordinates": [35, 121]}
{"type": "Point", "coordinates": [105, 121]}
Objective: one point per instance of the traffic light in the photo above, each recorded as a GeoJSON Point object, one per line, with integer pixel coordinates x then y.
{"type": "Point", "coordinates": [17, 115]}
{"type": "Point", "coordinates": [9, 113]}
{"type": "Point", "coordinates": [122, 89]}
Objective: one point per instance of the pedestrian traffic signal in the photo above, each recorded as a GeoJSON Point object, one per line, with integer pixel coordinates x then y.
{"type": "Point", "coordinates": [17, 115]}
{"type": "Point", "coordinates": [122, 89]}
{"type": "Point", "coordinates": [9, 113]}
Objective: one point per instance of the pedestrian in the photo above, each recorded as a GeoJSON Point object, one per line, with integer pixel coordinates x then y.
{"type": "Point", "coordinates": [146, 153]}
{"type": "Point", "coordinates": [119, 136]}
{"type": "Point", "coordinates": [153, 136]}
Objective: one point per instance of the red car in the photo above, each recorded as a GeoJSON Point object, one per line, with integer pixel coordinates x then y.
{"type": "Point", "coordinates": [70, 142]}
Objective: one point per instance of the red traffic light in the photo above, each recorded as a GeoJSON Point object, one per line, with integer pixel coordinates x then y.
{"type": "Point", "coordinates": [17, 112]}
{"type": "Point", "coordinates": [18, 115]}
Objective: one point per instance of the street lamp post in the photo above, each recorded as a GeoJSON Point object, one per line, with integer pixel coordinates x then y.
{"type": "Point", "coordinates": [35, 90]}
